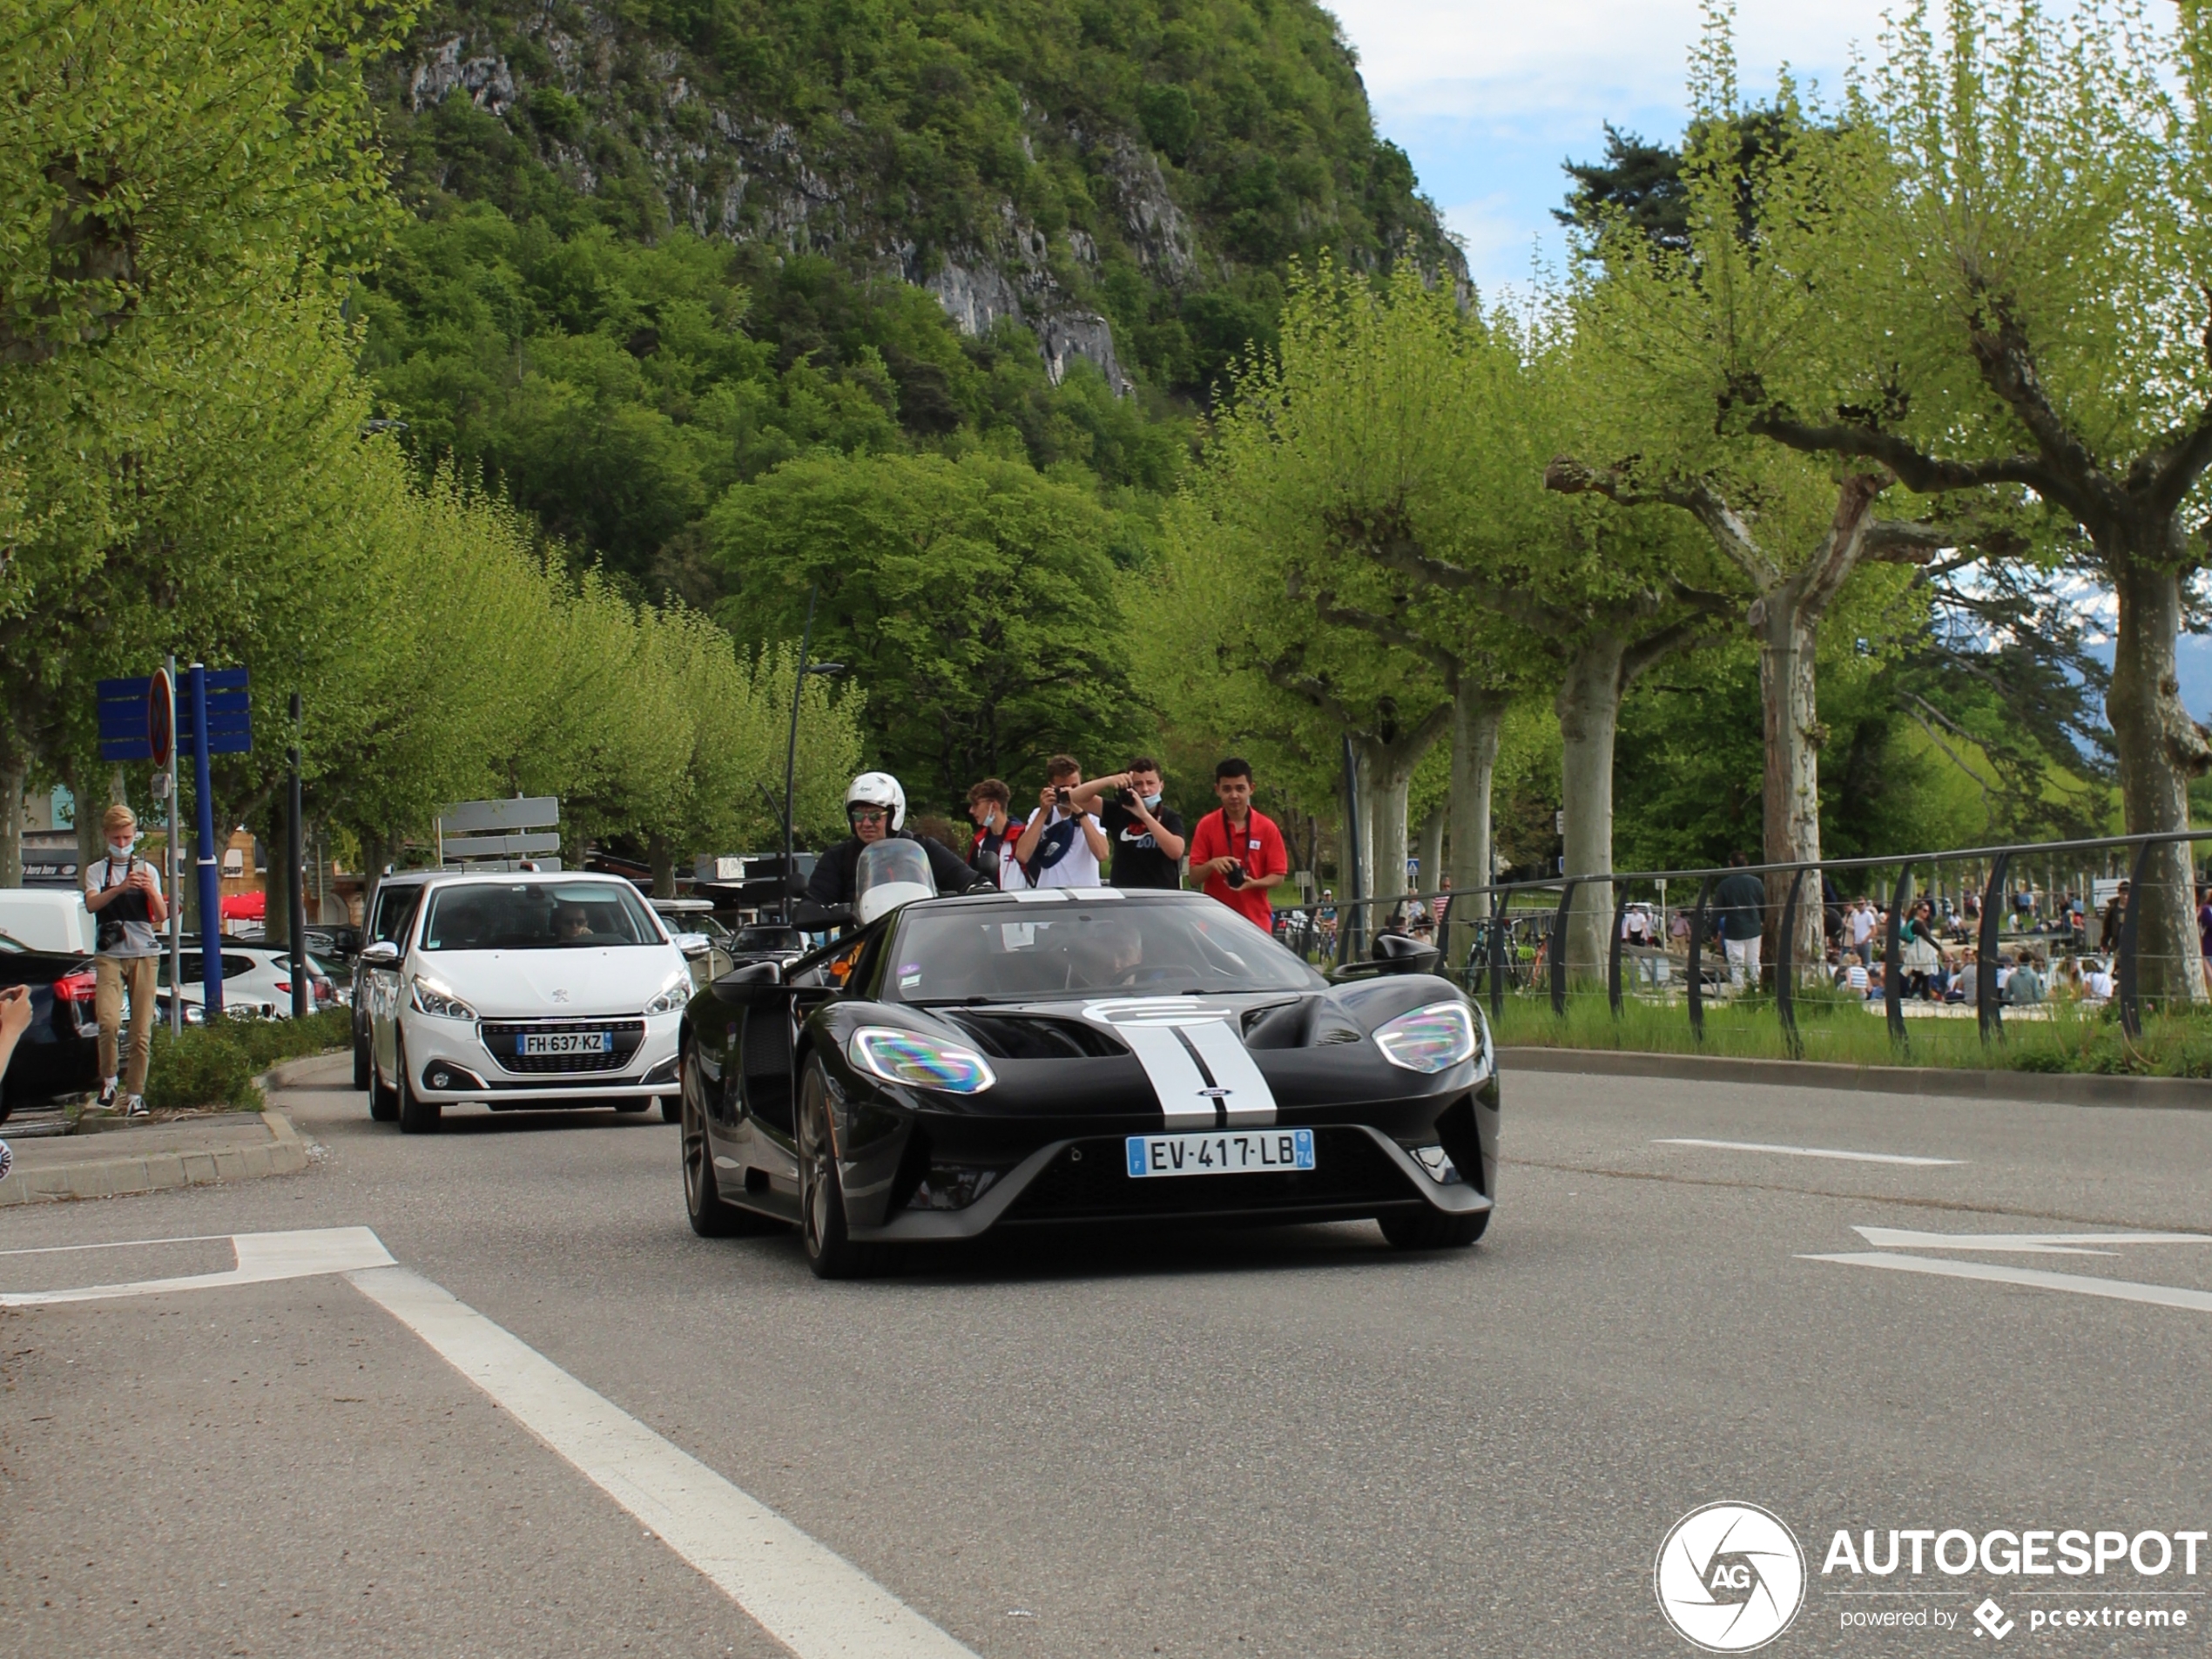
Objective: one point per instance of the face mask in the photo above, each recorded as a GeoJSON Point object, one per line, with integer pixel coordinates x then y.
{"type": "Point", "coordinates": [120, 849]}
{"type": "Point", "coordinates": [1151, 803]}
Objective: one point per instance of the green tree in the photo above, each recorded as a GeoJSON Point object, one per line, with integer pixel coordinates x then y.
{"type": "Point", "coordinates": [975, 600]}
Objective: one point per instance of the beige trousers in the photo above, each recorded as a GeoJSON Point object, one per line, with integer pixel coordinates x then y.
{"type": "Point", "coordinates": [114, 978]}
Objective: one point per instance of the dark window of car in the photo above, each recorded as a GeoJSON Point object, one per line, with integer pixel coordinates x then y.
{"type": "Point", "coordinates": [766, 939]}
{"type": "Point", "coordinates": [191, 973]}
{"type": "Point", "coordinates": [1113, 948]}
{"type": "Point", "coordinates": [394, 909]}
{"type": "Point", "coordinates": [538, 915]}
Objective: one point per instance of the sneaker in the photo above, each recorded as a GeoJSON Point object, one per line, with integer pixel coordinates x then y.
{"type": "Point", "coordinates": [135, 1107]}
{"type": "Point", "coordinates": [106, 1101]}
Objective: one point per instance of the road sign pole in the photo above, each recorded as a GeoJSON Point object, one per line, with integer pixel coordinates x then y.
{"type": "Point", "coordinates": [210, 890]}
{"type": "Point", "coordinates": [175, 886]}
{"type": "Point", "coordinates": [297, 920]}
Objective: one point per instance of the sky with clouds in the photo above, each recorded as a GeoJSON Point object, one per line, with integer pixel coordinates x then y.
{"type": "Point", "coordinates": [1489, 97]}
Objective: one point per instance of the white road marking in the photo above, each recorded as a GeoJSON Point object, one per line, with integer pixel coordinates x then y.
{"type": "Point", "coordinates": [810, 1598]}
{"type": "Point", "coordinates": [1814, 1152]}
{"type": "Point", "coordinates": [262, 1257]}
{"type": "Point", "coordinates": [118, 1244]}
{"type": "Point", "coordinates": [2118, 1290]}
{"type": "Point", "coordinates": [2026, 1243]}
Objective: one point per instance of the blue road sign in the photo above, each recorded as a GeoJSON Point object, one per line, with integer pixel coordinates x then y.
{"type": "Point", "coordinates": [123, 718]}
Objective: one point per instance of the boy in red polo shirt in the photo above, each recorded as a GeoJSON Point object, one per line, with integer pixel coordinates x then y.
{"type": "Point", "coordinates": [1238, 852]}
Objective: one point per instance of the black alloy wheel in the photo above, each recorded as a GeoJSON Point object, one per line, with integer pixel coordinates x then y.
{"type": "Point", "coordinates": [417, 1115]}
{"type": "Point", "coordinates": [1432, 1230]}
{"type": "Point", "coordinates": [710, 1217]}
{"type": "Point", "coordinates": [830, 1250]}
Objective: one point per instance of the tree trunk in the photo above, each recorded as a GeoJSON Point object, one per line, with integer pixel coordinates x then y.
{"type": "Point", "coordinates": [1787, 638]}
{"type": "Point", "coordinates": [1588, 706]}
{"type": "Point", "coordinates": [1353, 850]}
{"type": "Point", "coordinates": [661, 852]}
{"type": "Point", "coordinates": [276, 912]}
{"type": "Point", "coordinates": [2159, 747]}
{"type": "Point", "coordinates": [1430, 851]}
{"type": "Point", "coordinates": [12, 768]}
{"type": "Point", "coordinates": [1478, 718]}
{"type": "Point", "coordinates": [1392, 783]}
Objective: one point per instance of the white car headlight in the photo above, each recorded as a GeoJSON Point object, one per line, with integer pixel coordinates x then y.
{"type": "Point", "coordinates": [1430, 1038]}
{"type": "Point", "coordinates": [430, 997]}
{"type": "Point", "coordinates": [673, 996]}
{"type": "Point", "coordinates": [919, 1062]}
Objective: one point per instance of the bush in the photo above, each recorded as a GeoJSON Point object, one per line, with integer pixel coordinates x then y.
{"type": "Point", "coordinates": [202, 1067]}
{"type": "Point", "coordinates": [215, 1065]}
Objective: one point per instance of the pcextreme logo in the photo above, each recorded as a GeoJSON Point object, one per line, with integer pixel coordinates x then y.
{"type": "Point", "coordinates": [1730, 1577]}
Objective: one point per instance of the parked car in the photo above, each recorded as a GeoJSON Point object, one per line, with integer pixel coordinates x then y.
{"type": "Point", "coordinates": [336, 946]}
{"type": "Point", "coordinates": [256, 974]}
{"type": "Point", "coordinates": [523, 990]}
{"type": "Point", "coordinates": [390, 911]}
{"type": "Point", "coordinates": [59, 1052]}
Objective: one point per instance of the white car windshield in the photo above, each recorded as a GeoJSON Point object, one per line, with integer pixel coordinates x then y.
{"type": "Point", "coordinates": [538, 915]}
{"type": "Point", "coordinates": [1007, 953]}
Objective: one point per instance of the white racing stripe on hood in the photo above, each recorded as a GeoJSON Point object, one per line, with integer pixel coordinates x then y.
{"type": "Point", "coordinates": [1174, 1075]}
{"type": "Point", "coordinates": [1173, 1039]}
{"type": "Point", "coordinates": [1248, 1100]}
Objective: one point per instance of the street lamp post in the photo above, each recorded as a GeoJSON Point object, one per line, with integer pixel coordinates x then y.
{"type": "Point", "coordinates": [791, 748]}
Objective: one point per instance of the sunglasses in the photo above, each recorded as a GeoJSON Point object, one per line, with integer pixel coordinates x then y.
{"type": "Point", "coordinates": [867, 815]}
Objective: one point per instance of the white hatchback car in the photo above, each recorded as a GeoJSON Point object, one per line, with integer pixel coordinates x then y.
{"type": "Point", "coordinates": [524, 991]}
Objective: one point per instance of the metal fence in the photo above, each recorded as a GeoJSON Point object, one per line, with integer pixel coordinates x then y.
{"type": "Point", "coordinates": [1510, 944]}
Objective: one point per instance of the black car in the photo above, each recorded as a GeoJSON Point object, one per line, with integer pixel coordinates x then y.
{"type": "Point", "coordinates": [996, 1061]}
{"type": "Point", "coordinates": [59, 1051]}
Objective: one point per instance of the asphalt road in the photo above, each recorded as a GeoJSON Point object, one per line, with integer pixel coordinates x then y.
{"type": "Point", "coordinates": [1298, 1443]}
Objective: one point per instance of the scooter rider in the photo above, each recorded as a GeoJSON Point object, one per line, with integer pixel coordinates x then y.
{"type": "Point", "coordinates": [876, 807]}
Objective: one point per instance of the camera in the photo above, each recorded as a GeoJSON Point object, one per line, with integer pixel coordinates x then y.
{"type": "Point", "coordinates": [1235, 875]}
{"type": "Point", "coordinates": [1061, 796]}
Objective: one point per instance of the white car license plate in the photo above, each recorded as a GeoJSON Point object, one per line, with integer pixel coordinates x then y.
{"type": "Point", "coordinates": [1237, 1151]}
{"type": "Point", "coordinates": [530, 1043]}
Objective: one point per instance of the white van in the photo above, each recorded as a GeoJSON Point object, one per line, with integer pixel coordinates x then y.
{"type": "Point", "coordinates": [47, 918]}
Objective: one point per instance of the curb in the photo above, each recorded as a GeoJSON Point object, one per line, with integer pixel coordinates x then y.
{"type": "Point", "coordinates": [2166, 1093]}
{"type": "Point", "coordinates": [114, 1177]}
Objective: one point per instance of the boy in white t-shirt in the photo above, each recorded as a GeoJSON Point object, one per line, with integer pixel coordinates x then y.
{"type": "Point", "coordinates": [1060, 847]}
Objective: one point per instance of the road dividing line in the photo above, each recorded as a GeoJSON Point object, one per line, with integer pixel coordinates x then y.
{"type": "Point", "coordinates": [262, 1258]}
{"type": "Point", "coordinates": [2023, 1243]}
{"type": "Point", "coordinates": [2118, 1290]}
{"type": "Point", "coordinates": [810, 1598]}
{"type": "Point", "coordinates": [1815, 1152]}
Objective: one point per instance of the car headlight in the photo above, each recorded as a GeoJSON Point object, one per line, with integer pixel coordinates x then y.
{"type": "Point", "coordinates": [431, 997]}
{"type": "Point", "coordinates": [673, 996]}
{"type": "Point", "coordinates": [919, 1062]}
{"type": "Point", "coordinates": [1434, 1038]}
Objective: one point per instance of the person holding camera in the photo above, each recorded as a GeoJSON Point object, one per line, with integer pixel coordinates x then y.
{"type": "Point", "coordinates": [1062, 845]}
{"type": "Point", "coordinates": [1147, 836]}
{"type": "Point", "coordinates": [1238, 852]}
{"type": "Point", "coordinates": [124, 893]}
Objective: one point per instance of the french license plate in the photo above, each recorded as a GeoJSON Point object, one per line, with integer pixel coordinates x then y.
{"type": "Point", "coordinates": [1222, 1152]}
{"type": "Point", "coordinates": [532, 1042]}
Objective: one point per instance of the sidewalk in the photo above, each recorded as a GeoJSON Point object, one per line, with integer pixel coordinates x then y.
{"type": "Point", "coordinates": [124, 1157]}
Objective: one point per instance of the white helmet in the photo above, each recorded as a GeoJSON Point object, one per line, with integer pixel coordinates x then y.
{"type": "Point", "coordinates": [878, 789]}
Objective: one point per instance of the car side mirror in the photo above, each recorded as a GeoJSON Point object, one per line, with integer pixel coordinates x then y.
{"type": "Point", "coordinates": [383, 954]}
{"type": "Point", "coordinates": [692, 944]}
{"type": "Point", "coordinates": [744, 984]}
{"type": "Point", "coordinates": [1403, 954]}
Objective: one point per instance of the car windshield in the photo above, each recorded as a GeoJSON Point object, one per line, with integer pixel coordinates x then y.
{"type": "Point", "coordinates": [769, 938]}
{"type": "Point", "coordinates": [538, 915]}
{"type": "Point", "coordinates": [1006, 953]}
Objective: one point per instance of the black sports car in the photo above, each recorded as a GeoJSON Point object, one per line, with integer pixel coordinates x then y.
{"type": "Point", "coordinates": [59, 1052]}
{"type": "Point", "coordinates": [1012, 1060]}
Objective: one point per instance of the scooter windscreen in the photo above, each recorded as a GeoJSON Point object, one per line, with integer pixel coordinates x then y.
{"type": "Point", "coordinates": [890, 874]}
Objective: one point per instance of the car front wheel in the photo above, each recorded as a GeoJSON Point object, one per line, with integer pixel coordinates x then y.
{"type": "Point", "coordinates": [383, 1103]}
{"type": "Point", "coordinates": [364, 1069]}
{"type": "Point", "coordinates": [710, 1217]}
{"type": "Point", "coordinates": [417, 1115]}
{"type": "Point", "coordinates": [830, 1250]}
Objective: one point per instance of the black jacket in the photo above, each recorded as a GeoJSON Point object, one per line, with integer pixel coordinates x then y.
{"type": "Point", "coordinates": [831, 882]}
